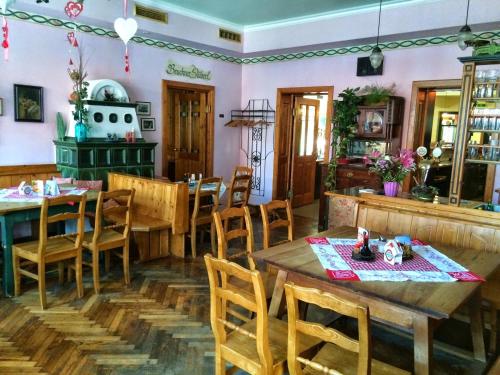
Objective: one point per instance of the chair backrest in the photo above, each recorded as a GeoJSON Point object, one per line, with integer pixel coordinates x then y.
{"type": "Point", "coordinates": [226, 216]}
{"type": "Point", "coordinates": [66, 201]}
{"type": "Point", "coordinates": [62, 180]}
{"type": "Point", "coordinates": [240, 185]}
{"type": "Point", "coordinates": [206, 187]}
{"type": "Point", "coordinates": [294, 294]}
{"type": "Point", "coordinates": [114, 206]}
{"type": "Point", "coordinates": [222, 292]}
{"type": "Point", "coordinates": [89, 184]}
{"type": "Point", "coordinates": [271, 219]}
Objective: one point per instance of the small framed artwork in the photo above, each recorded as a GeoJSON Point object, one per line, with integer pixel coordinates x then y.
{"type": "Point", "coordinates": [143, 108]}
{"type": "Point", "coordinates": [28, 103]}
{"type": "Point", "coordinates": [148, 124]}
{"type": "Point", "coordinates": [1, 107]}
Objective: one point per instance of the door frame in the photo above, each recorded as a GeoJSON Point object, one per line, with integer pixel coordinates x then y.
{"type": "Point", "coordinates": [413, 127]}
{"type": "Point", "coordinates": [307, 90]}
{"type": "Point", "coordinates": [210, 91]}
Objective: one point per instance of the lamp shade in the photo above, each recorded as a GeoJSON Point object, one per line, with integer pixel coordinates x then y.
{"type": "Point", "coordinates": [376, 57]}
{"type": "Point", "coordinates": [464, 35]}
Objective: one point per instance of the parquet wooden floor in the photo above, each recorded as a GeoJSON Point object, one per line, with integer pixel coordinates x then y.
{"type": "Point", "coordinates": [160, 325]}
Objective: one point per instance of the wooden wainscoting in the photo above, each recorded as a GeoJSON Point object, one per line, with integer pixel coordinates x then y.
{"type": "Point", "coordinates": [13, 175]}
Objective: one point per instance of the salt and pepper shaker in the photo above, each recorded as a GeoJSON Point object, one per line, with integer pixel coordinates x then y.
{"type": "Point", "coordinates": [436, 199]}
{"type": "Point", "coordinates": [193, 177]}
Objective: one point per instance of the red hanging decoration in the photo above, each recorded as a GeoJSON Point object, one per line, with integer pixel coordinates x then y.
{"type": "Point", "coordinates": [127, 61]}
{"type": "Point", "coordinates": [70, 61]}
{"type": "Point", "coordinates": [73, 9]}
{"type": "Point", "coordinates": [5, 42]}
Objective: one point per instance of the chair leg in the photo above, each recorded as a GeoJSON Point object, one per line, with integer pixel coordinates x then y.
{"type": "Point", "coordinates": [79, 271]}
{"type": "Point", "coordinates": [95, 270]}
{"type": "Point", "coordinates": [494, 328]}
{"type": "Point", "coordinates": [193, 241]}
{"type": "Point", "coordinates": [213, 239]}
{"type": "Point", "coordinates": [220, 365]}
{"type": "Point", "coordinates": [70, 274]}
{"type": "Point", "coordinates": [41, 285]}
{"type": "Point", "coordinates": [17, 274]}
{"type": "Point", "coordinates": [60, 267]}
{"type": "Point", "coordinates": [107, 261]}
{"type": "Point", "coordinates": [126, 272]}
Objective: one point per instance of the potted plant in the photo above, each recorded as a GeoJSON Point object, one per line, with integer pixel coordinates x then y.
{"type": "Point", "coordinates": [345, 123]}
{"type": "Point", "coordinates": [393, 169]}
{"type": "Point", "coordinates": [77, 97]}
{"type": "Point", "coordinates": [377, 94]}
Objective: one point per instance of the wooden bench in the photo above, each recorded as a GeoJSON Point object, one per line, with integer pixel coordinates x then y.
{"type": "Point", "coordinates": [13, 175]}
{"type": "Point", "coordinates": [159, 214]}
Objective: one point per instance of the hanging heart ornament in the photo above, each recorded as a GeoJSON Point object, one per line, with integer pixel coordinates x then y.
{"type": "Point", "coordinates": [5, 4]}
{"type": "Point", "coordinates": [125, 28]}
{"type": "Point", "coordinates": [73, 9]}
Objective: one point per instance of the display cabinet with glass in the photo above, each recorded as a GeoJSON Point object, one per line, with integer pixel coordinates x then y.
{"type": "Point", "coordinates": [478, 130]}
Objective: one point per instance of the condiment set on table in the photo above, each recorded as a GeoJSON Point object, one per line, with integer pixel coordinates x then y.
{"type": "Point", "coordinates": [395, 251]}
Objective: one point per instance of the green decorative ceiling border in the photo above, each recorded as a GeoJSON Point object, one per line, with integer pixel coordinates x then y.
{"type": "Point", "coordinates": [99, 31]}
{"type": "Point", "coordinates": [69, 25]}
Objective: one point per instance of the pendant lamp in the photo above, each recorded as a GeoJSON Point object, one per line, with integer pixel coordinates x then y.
{"type": "Point", "coordinates": [376, 56]}
{"type": "Point", "coordinates": [465, 33]}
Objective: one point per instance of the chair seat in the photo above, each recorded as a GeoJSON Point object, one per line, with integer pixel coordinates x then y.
{"type": "Point", "coordinates": [346, 362]}
{"type": "Point", "coordinates": [278, 341]}
{"type": "Point", "coordinates": [107, 236]}
{"type": "Point", "coordinates": [58, 248]}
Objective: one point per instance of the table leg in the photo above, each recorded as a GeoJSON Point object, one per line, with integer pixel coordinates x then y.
{"type": "Point", "coordinates": [7, 240]}
{"type": "Point", "coordinates": [476, 326]}
{"type": "Point", "coordinates": [279, 291]}
{"type": "Point", "coordinates": [422, 341]}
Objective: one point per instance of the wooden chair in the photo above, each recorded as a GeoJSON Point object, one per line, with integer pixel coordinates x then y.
{"type": "Point", "coordinates": [115, 207]}
{"type": "Point", "coordinates": [341, 354]}
{"type": "Point", "coordinates": [257, 346]}
{"type": "Point", "coordinates": [490, 292]}
{"type": "Point", "coordinates": [51, 249]}
{"type": "Point", "coordinates": [239, 188]}
{"type": "Point", "coordinates": [202, 211]}
{"type": "Point", "coordinates": [271, 220]}
{"type": "Point", "coordinates": [224, 236]}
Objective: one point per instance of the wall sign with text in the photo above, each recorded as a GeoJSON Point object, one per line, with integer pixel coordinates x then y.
{"type": "Point", "coordinates": [189, 71]}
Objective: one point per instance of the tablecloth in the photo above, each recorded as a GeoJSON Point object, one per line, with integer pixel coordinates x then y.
{"type": "Point", "coordinates": [427, 265]}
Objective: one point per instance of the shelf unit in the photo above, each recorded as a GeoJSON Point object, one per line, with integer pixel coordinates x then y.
{"type": "Point", "coordinates": [470, 129]}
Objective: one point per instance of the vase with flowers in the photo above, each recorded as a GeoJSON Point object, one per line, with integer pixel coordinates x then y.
{"type": "Point", "coordinates": [77, 97]}
{"type": "Point", "coordinates": [393, 169]}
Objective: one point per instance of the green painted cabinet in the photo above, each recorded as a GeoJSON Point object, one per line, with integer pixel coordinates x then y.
{"type": "Point", "coordinates": [92, 160]}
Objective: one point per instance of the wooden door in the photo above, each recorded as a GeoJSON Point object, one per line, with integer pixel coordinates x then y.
{"type": "Point", "coordinates": [189, 134]}
{"type": "Point", "coordinates": [284, 149]}
{"type": "Point", "coordinates": [304, 155]}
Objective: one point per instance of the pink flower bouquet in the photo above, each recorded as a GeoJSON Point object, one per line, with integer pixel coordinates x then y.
{"type": "Point", "coordinates": [393, 168]}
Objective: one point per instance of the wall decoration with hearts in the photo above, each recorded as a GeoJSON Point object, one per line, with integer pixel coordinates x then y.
{"type": "Point", "coordinates": [126, 28]}
{"type": "Point", "coordinates": [73, 8]}
{"type": "Point", "coordinates": [4, 6]}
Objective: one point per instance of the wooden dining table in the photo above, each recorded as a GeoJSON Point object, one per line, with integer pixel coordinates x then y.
{"type": "Point", "coordinates": [418, 307]}
{"type": "Point", "coordinates": [12, 213]}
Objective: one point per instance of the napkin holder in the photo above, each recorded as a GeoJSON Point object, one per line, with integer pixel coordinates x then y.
{"type": "Point", "coordinates": [51, 188]}
{"type": "Point", "coordinates": [393, 253]}
{"type": "Point", "coordinates": [24, 188]}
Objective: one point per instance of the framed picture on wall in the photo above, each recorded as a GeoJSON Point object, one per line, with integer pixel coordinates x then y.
{"type": "Point", "coordinates": [28, 103]}
{"type": "Point", "coordinates": [143, 108]}
{"type": "Point", "coordinates": [148, 124]}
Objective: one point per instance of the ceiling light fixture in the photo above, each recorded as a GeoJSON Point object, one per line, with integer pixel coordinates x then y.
{"type": "Point", "coordinates": [465, 34]}
{"type": "Point", "coordinates": [376, 56]}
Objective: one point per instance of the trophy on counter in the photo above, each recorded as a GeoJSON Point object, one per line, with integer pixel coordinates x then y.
{"type": "Point", "coordinates": [421, 191]}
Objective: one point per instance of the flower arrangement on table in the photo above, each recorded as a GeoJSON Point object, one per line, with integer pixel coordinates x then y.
{"type": "Point", "coordinates": [393, 169]}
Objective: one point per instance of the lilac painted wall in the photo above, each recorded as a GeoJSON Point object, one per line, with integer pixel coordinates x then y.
{"type": "Point", "coordinates": [400, 66]}
{"type": "Point", "coordinates": [39, 56]}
